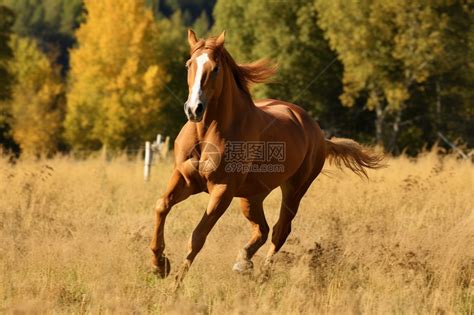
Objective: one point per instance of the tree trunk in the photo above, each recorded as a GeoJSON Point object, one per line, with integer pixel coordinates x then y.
{"type": "Point", "coordinates": [438, 105]}
{"type": "Point", "coordinates": [379, 124]}
{"type": "Point", "coordinates": [395, 131]}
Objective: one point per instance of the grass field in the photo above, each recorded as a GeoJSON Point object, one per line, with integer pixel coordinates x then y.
{"type": "Point", "coordinates": [74, 239]}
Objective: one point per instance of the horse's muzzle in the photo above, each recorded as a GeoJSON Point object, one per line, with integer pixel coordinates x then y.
{"type": "Point", "coordinates": [194, 114]}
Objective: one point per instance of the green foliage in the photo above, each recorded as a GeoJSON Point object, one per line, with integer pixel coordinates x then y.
{"type": "Point", "coordinates": [44, 19]}
{"type": "Point", "coordinates": [172, 50]}
{"type": "Point", "coordinates": [191, 10]}
{"type": "Point", "coordinates": [202, 24]}
{"type": "Point", "coordinates": [451, 89]}
{"type": "Point", "coordinates": [37, 103]}
{"type": "Point", "coordinates": [445, 102]}
{"type": "Point", "coordinates": [50, 22]}
{"type": "Point", "coordinates": [7, 19]}
{"type": "Point", "coordinates": [286, 32]}
{"type": "Point", "coordinates": [116, 79]}
{"type": "Point", "coordinates": [407, 66]}
{"type": "Point", "coordinates": [386, 48]}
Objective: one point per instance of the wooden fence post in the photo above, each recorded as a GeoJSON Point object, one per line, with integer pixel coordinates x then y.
{"type": "Point", "coordinates": [148, 158]}
{"type": "Point", "coordinates": [160, 146]}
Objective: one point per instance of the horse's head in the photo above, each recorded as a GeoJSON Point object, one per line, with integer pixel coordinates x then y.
{"type": "Point", "coordinates": [205, 77]}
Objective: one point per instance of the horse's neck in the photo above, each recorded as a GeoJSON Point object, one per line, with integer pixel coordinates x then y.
{"type": "Point", "coordinates": [227, 110]}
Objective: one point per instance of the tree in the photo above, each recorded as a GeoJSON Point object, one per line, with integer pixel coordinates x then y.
{"type": "Point", "coordinates": [37, 100]}
{"type": "Point", "coordinates": [285, 32]}
{"type": "Point", "coordinates": [202, 24]}
{"type": "Point", "coordinates": [7, 19]}
{"type": "Point", "coordinates": [171, 47]}
{"type": "Point", "coordinates": [192, 9]}
{"type": "Point", "coordinates": [116, 80]}
{"type": "Point", "coordinates": [50, 22]}
{"type": "Point", "coordinates": [387, 48]}
{"type": "Point", "coordinates": [450, 91]}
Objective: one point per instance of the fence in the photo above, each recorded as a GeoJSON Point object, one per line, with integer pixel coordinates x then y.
{"type": "Point", "coordinates": [158, 148]}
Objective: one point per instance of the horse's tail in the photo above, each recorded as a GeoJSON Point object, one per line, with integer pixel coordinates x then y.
{"type": "Point", "coordinates": [353, 155]}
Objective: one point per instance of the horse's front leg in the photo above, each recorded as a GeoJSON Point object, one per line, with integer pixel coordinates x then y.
{"type": "Point", "coordinates": [220, 198]}
{"type": "Point", "coordinates": [177, 191]}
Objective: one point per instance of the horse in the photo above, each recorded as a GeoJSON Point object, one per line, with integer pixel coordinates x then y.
{"type": "Point", "coordinates": [219, 151]}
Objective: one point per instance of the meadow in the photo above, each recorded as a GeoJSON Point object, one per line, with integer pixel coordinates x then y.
{"type": "Point", "coordinates": [74, 238]}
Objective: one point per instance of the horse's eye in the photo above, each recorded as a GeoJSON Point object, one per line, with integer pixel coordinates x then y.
{"type": "Point", "coordinates": [216, 69]}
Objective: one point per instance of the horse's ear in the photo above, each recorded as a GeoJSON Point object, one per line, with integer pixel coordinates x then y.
{"type": "Point", "coordinates": [192, 39]}
{"type": "Point", "coordinates": [220, 39]}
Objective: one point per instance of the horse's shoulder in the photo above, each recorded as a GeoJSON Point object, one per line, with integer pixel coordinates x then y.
{"type": "Point", "coordinates": [186, 139]}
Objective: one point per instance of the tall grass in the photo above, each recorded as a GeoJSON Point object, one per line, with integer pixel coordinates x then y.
{"type": "Point", "coordinates": [74, 239]}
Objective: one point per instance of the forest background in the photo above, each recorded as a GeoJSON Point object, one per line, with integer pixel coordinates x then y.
{"type": "Point", "coordinates": [77, 76]}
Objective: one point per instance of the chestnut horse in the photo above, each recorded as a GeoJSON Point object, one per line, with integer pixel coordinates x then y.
{"type": "Point", "coordinates": [222, 118]}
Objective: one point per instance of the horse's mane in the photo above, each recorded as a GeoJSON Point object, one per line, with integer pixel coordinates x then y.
{"type": "Point", "coordinates": [245, 75]}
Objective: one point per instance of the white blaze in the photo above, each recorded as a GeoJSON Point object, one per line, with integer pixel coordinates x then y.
{"type": "Point", "coordinates": [196, 89]}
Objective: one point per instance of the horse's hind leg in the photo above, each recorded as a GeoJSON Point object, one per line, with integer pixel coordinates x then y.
{"type": "Point", "coordinates": [252, 208]}
{"type": "Point", "coordinates": [292, 192]}
{"type": "Point", "coordinates": [281, 230]}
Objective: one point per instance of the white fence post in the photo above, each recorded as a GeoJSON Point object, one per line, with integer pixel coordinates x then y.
{"type": "Point", "coordinates": [158, 139]}
{"type": "Point", "coordinates": [160, 146]}
{"type": "Point", "coordinates": [148, 158]}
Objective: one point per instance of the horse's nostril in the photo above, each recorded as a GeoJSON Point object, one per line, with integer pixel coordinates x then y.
{"type": "Point", "coordinates": [199, 109]}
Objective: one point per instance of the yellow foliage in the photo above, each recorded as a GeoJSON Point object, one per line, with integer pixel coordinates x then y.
{"type": "Point", "coordinates": [116, 79]}
{"type": "Point", "coordinates": [149, 79]}
{"type": "Point", "coordinates": [36, 105]}
{"type": "Point", "coordinates": [396, 95]}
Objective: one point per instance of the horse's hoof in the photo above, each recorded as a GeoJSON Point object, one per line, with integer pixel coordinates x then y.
{"type": "Point", "coordinates": [162, 266]}
{"type": "Point", "coordinates": [243, 266]}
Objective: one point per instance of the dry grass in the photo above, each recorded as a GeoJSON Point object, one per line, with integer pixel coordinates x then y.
{"type": "Point", "coordinates": [74, 237]}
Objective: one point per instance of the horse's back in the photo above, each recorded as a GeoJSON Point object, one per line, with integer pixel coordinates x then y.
{"type": "Point", "coordinates": [283, 111]}
{"type": "Point", "coordinates": [307, 126]}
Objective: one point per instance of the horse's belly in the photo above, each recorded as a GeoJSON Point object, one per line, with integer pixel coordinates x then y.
{"type": "Point", "coordinates": [263, 179]}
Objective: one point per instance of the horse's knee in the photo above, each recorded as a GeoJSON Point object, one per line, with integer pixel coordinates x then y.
{"type": "Point", "coordinates": [163, 206]}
